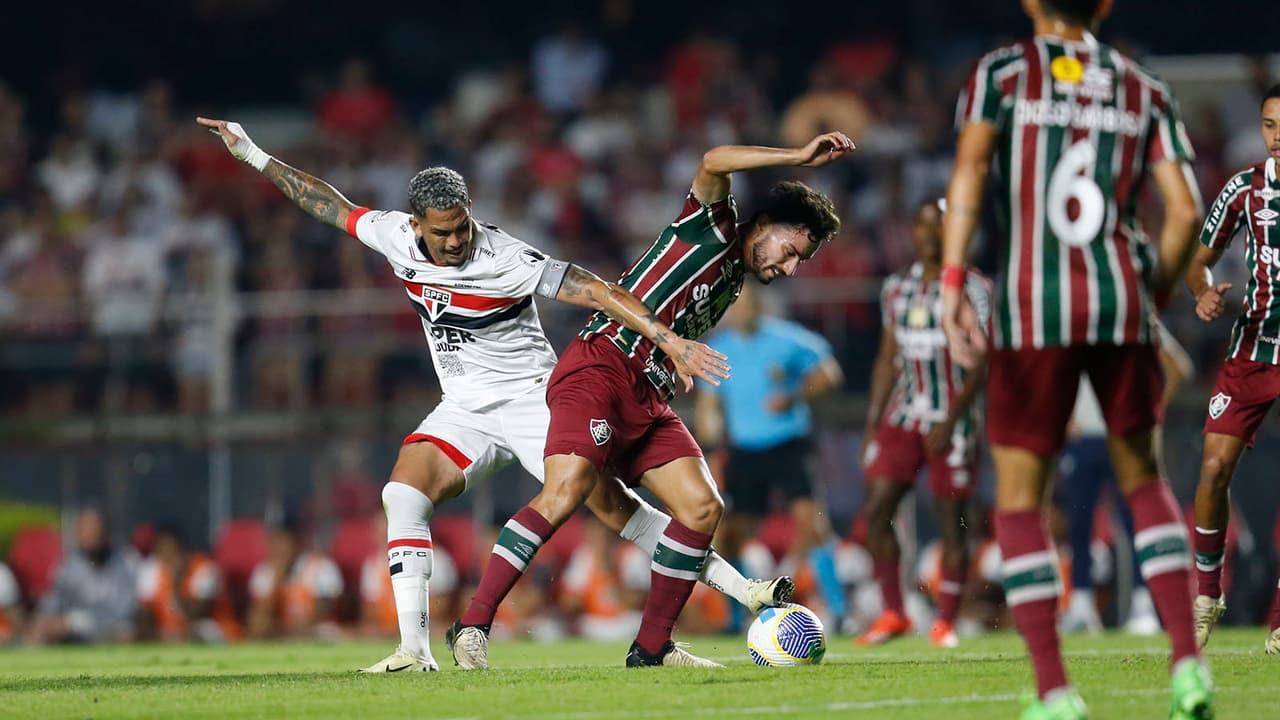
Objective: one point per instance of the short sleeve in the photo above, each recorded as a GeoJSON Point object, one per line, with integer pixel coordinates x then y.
{"type": "Point", "coordinates": [262, 583]}
{"type": "Point", "coordinates": [1226, 216]}
{"type": "Point", "coordinates": [204, 582]}
{"type": "Point", "coordinates": [325, 579]}
{"type": "Point", "coordinates": [9, 595]}
{"type": "Point", "coordinates": [148, 581]}
{"type": "Point", "coordinates": [1169, 140]}
{"type": "Point", "coordinates": [444, 572]}
{"type": "Point", "coordinates": [520, 270]}
{"type": "Point", "coordinates": [378, 229]}
{"type": "Point", "coordinates": [702, 224]}
{"type": "Point", "coordinates": [808, 350]}
{"type": "Point", "coordinates": [887, 289]}
{"type": "Point", "coordinates": [373, 578]}
{"type": "Point", "coordinates": [983, 98]}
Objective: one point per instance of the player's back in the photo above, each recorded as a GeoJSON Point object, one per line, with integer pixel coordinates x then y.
{"type": "Point", "coordinates": [1078, 128]}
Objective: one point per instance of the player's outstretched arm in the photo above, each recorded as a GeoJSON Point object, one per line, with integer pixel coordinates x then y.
{"type": "Point", "coordinates": [965, 337]}
{"type": "Point", "coordinates": [1183, 211]}
{"type": "Point", "coordinates": [693, 359]}
{"type": "Point", "coordinates": [711, 184]}
{"type": "Point", "coordinates": [318, 198]}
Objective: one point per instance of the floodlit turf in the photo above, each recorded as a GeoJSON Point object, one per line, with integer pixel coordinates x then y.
{"type": "Point", "coordinates": [1119, 676]}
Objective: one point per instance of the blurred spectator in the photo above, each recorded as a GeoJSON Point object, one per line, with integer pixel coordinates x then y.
{"type": "Point", "coordinates": [568, 69]}
{"type": "Point", "coordinates": [94, 597]}
{"type": "Point", "coordinates": [124, 280]}
{"type": "Point", "coordinates": [825, 106]}
{"type": "Point", "coordinates": [356, 109]}
{"type": "Point", "coordinates": [592, 588]}
{"type": "Point", "coordinates": [353, 342]}
{"type": "Point", "coordinates": [10, 605]}
{"type": "Point", "coordinates": [180, 594]}
{"type": "Point", "coordinates": [293, 590]}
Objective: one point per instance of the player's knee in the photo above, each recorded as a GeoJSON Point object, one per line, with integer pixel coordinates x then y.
{"type": "Point", "coordinates": [1218, 471]}
{"type": "Point", "coordinates": [704, 513]}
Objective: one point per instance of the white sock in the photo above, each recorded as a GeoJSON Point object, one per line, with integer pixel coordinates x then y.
{"type": "Point", "coordinates": [409, 560]}
{"type": "Point", "coordinates": [646, 526]}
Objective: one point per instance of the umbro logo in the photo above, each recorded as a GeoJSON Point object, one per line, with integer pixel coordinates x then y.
{"type": "Point", "coordinates": [1266, 217]}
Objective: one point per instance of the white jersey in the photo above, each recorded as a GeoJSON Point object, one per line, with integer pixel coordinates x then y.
{"type": "Point", "coordinates": [486, 341]}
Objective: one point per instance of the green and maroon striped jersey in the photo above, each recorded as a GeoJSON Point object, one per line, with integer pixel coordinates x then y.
{"type": "Point", "coordinates": [1079, 127]}
{"type": "Point", "coordinates": [688, 278]}
{"type": "Point", "coordinates": [928, 381]}
{"type": "Point", "coordinates": [1251, 200]}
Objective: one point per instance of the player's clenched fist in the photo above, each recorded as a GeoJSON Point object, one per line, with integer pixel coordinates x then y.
{"type": "Point", "coordinates": [1212, 303]}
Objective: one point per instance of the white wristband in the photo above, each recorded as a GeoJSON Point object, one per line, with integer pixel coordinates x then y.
{"type": "Point", "coordinates": [246, 149]}
{"type": "Point", "coordinates": [255, 156]}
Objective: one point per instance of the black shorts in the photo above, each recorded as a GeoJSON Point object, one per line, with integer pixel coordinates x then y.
{"type": "Point", "coordinates": [753, 476]}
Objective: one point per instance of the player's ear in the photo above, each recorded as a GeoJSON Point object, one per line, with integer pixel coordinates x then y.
{"type": "Point", "coordinates": [413, 223]}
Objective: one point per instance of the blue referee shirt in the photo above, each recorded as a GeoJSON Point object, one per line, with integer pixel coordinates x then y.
{"type": "Point", "coordinates": [771, 361]}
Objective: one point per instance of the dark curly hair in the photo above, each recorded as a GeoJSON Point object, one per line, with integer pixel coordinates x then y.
{"type": "Point", "coordinates": [1080, 12]}
{"type": "Point", "coordinates": [794, 203]}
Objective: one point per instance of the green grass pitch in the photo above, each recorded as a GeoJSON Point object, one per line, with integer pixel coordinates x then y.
{"type": "Point", "coordinates": [1119, 676]}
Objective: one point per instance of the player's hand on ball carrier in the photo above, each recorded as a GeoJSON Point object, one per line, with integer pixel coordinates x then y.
{"type": "Point", "coordinates": [695, 360]}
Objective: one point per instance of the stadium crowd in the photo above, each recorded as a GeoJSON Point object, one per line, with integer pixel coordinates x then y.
{"type": "Point", "coordinates": [124, 223]}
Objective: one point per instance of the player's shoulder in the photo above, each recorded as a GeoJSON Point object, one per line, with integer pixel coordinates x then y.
{"type": "Point", "coordinates": [1243, 178]}
{"type": "Point", "coordinates": [387, 220]}
{"type": "Point", "coordinates": [1009, 52]}
{"type": "Point", "coordinates": [1127, 65]}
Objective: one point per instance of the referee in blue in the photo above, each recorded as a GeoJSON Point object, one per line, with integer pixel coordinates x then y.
{"type": "Point", "coordinates": [762, 414]}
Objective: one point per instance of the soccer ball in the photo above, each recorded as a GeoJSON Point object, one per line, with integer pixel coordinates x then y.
{"type": "Point", "coordinates": [786, 636]}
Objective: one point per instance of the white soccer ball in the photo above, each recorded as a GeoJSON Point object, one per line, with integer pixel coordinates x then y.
{"type": "Point", "coordinates": [786, 636]}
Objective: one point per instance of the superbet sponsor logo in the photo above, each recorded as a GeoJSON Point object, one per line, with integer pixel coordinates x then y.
{"type": "Point", "coordinates": [1268, 255]}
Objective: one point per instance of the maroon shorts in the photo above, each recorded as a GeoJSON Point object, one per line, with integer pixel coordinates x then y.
{"type": "Point", "coordinates": [897, 454]}
{"type": "Point", "coordinates": [1032, 392]}
{"type": "Point", "coordinates": [1241, 398]}
{"type": "Point", "coordinates": [605, 410]}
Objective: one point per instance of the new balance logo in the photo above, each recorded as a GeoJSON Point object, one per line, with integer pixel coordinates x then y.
{"type": "Point", "coordinates": [600, 431]}
{"type": "Point", "coordinates": [1218, 405]}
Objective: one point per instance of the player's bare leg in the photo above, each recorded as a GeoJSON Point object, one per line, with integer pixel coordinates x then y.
{"type": "Point", "coordinates": [1213, 510]}
{"type": "Point", "coordinates": [883, 498]}
{"type": "Point", "coordinates": [685, 486]}
{"type": "Point", "coordinates": [627, 514]}
{"type": "Point", "coordinates": [423, 477]}
{"type": "Point", "coordinates": [955, 563]}
{"type": "Point", "coordinates": [1160, 541]}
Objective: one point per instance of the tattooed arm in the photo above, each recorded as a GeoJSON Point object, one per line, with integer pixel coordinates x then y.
{"type": "Point", "coordinates": [693, 359]}
{"type": "Point", "coordinates": [315, 196]}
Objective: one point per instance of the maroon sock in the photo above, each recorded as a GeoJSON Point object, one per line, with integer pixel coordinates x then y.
{"type": "Point", "coordinates": [1211, 555]}
{"type": "Point", "coordinates": [949, 592]}
{"type": "Point", "coordinates": [1160, 540]}
{"type": "Point", "coordinates": [886, 573]}
{"type": "Point", "coordinates": [1275, 608]}
{"type": "Point", "coordinates": [519, 540]}
{"type": "Point", "coordinates": [674, 571]}
{"type": "Point", "coordinates": [1032, 588]}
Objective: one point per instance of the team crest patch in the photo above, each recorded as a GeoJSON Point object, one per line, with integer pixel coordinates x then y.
{"type": "Point", "coordinates": [436, 300]}
{"type": "Point", "coordinates": [1218, 405]}
{"type": "Point", "coordinates": [600, 431]}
